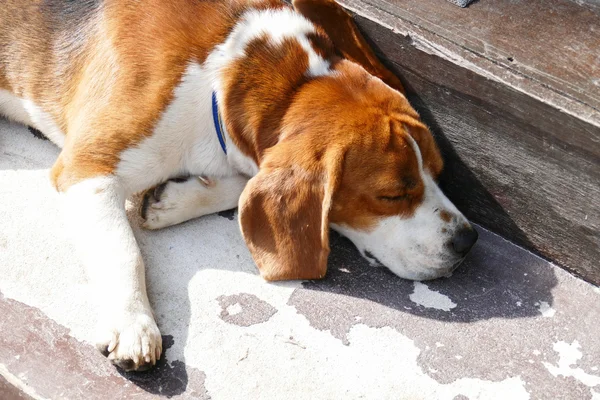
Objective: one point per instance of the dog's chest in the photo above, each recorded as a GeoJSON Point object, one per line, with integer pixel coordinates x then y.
{"type": "Point", "coordinates": [184, 140]}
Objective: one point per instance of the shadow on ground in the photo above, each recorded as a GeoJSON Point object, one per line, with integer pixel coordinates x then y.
{"type": "Point", "coordinates": [164, 379]}
{"type": "Point", "coordinates": [497, 280]}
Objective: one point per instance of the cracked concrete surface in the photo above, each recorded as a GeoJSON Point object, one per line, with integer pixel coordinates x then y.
{"type": "Point", "coordinates": [506, 325]}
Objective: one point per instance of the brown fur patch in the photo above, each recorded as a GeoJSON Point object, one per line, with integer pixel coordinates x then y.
{"type": "Point", "coordinates": [368, 120]}
{"type": "Point", "coordinates": [347, 39]}
{"type": "Point", "coordinates": [445, 216]}
{"type": "Point", "coordinates": [258, 91]}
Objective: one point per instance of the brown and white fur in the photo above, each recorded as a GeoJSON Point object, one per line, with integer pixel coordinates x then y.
{"type": "Point", "coordinates": [318, 134]}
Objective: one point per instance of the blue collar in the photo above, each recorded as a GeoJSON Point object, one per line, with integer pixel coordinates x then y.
{"type": "Point", "coordinates": [218, 122]}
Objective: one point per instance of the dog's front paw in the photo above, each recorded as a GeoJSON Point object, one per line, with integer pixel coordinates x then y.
{"type": "Point", "coordinates": [173, 202]}
{"type": "Point", "coordinates": [132, 342]}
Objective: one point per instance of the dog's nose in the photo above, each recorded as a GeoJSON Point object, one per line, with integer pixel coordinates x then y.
{"type": "Point", "coordinates": [464, 240]}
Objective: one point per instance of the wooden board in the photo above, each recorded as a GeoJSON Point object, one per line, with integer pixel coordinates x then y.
{"type": "Point", "coordinates": [549, 49]}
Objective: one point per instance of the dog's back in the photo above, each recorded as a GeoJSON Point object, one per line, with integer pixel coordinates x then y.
{"type": "Point", "coordinates": [69, 57]}
{"type": "Point", "coordinates": [37, 41]}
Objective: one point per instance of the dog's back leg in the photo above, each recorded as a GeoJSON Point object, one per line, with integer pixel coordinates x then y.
{"type": "Point", "coordinates": [180, 200]}
{"type": "Point", "coordinates": [127, 332]}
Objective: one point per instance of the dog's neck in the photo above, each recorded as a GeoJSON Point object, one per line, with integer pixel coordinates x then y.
{"type": "Point", "coordinates": [263, 63]}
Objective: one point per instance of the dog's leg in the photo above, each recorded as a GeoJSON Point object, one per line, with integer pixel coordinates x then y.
{"type": "Point", "coordinates": [180, 200]}
{"type": "Point", "coordinates": [128, 334]}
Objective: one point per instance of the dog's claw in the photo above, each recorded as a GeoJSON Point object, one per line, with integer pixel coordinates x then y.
{"type": "Point", "coordinates": [134, 342]}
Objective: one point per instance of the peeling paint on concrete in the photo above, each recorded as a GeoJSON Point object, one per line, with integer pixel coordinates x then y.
{"type": "Point", "coordinates": [245, 309]}
{"type": "Point", "coordinates": [233, 309]}
{"type": "Point", "coordinates": [490, 333]}
{"type": "Point", "coordinates": [276, 358]}
{"type": "Point", "coordinates": [569, 355]}
{"type": "Point", "coordinates": [428, 298]}
{"type": "Point", "coordinates": [545, 309]}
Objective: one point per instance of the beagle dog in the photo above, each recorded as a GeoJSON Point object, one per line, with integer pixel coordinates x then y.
{"type": "Point", "coordinates": [284, 112]}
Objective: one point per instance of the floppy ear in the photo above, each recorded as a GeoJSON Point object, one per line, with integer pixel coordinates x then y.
{"type": "Point", "coordinates": [284, 215]}
{"type": "Point", "coordinates": [430, 153]}
{"type": "Point", "coordinates": [338, 25]}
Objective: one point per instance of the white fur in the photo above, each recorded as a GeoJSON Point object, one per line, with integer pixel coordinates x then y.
{"type": "Point", "coordinates": [415, 247]}
{"type": "Point", "coordinates": [28, 113]}
{"type": "Point", "coordinates": [183, 142]}
{"type": "Point", "coordinates": [277, 25]}
{"type": "Point", "coordinates": [102, 234]}
{"type": "Point", "coordinates": [317, 66]}
{"type": "Point", "coordinates": [185, 139]}
{"type": "Point", "coordinates": [182, 201]}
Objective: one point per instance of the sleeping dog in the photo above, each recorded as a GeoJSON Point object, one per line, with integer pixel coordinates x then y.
{"type": "Point", "coordinates": [283, 112]}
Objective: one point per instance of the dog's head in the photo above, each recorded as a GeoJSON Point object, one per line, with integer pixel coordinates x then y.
{"type": "Point", "coordinates": [353, 154]}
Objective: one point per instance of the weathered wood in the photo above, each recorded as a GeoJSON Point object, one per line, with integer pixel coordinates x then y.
{"type": "Point", "coordinates": [514, 162]}
{"type": "Point", "coordinates": [549, 49]}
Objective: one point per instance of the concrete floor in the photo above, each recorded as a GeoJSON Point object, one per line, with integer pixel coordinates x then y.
{"type": "Point", "coordinates": [507, 325]}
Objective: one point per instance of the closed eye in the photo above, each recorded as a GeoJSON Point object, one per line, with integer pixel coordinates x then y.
{"type": "Point", "coordinates": [393, 198]}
